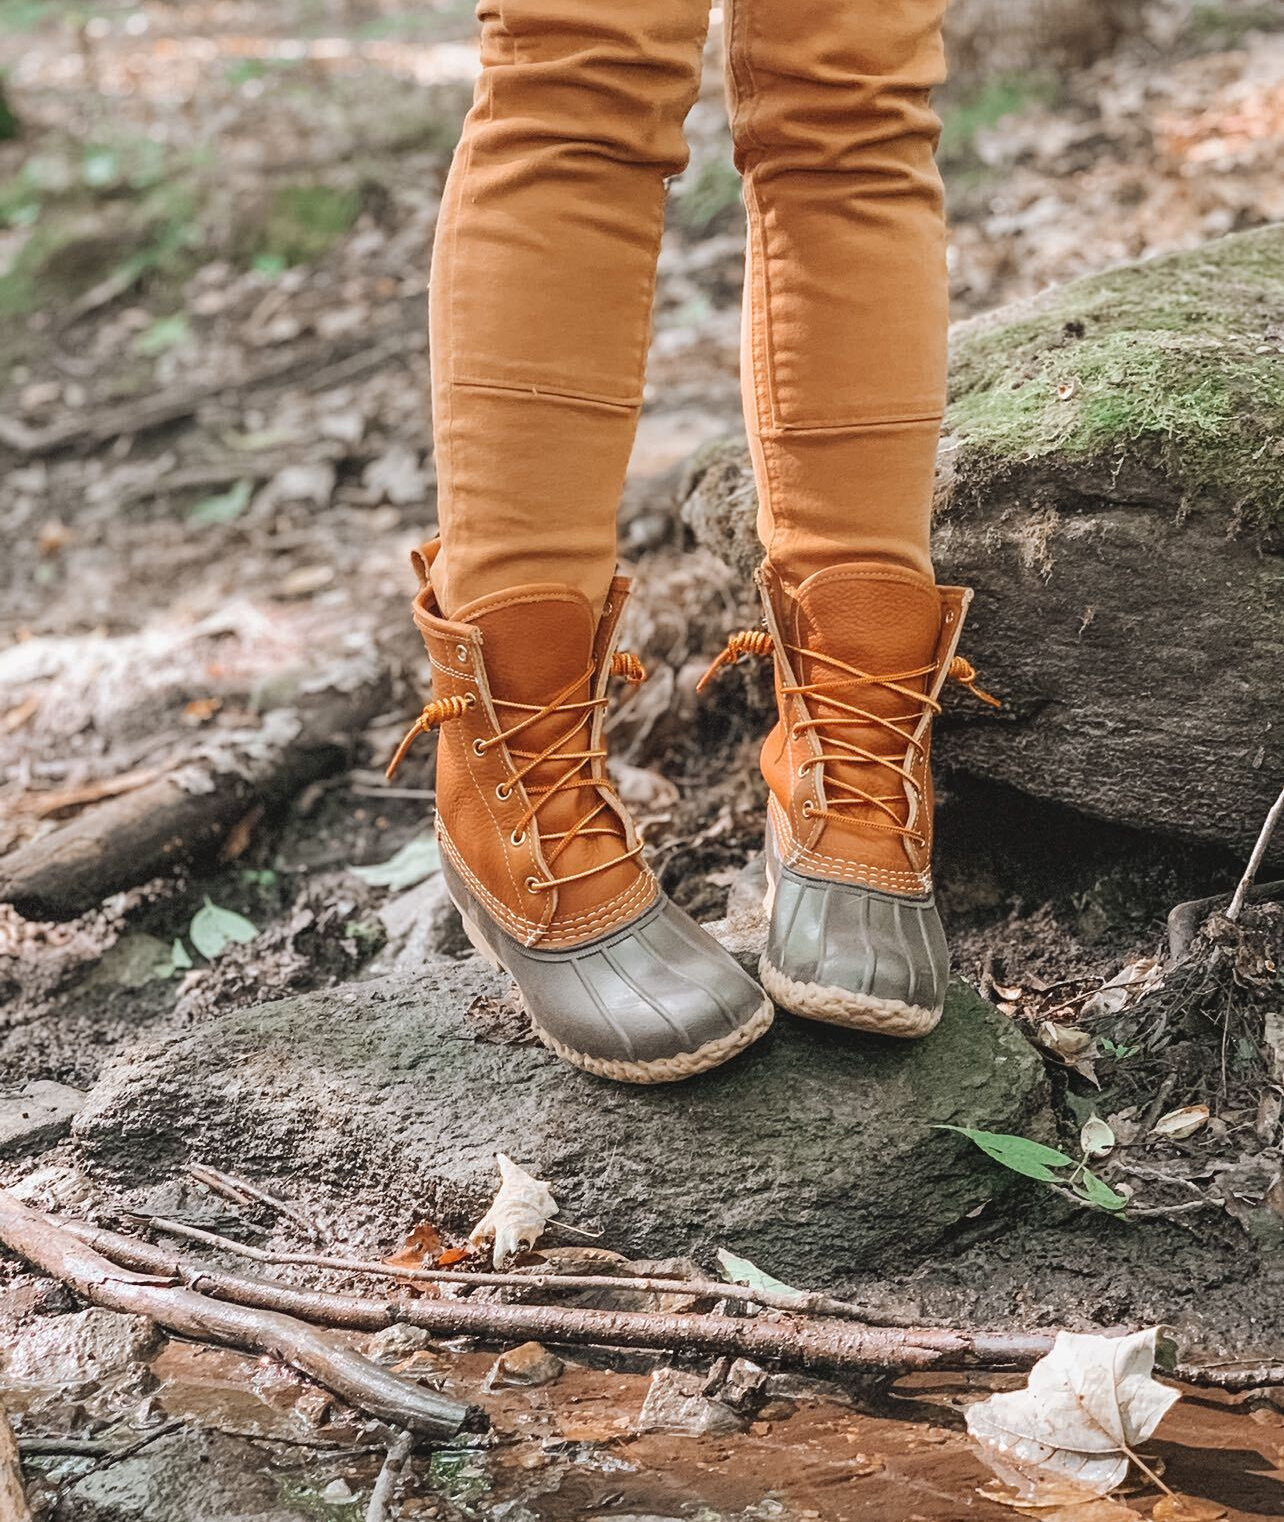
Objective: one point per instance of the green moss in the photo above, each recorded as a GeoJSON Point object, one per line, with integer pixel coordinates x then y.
{"type": "Point", "coordinates": [984, 106]}
{"type": "Point", "coordinates": [1175, 364]}
{"type": "Point", "coordinates": [305, 221]}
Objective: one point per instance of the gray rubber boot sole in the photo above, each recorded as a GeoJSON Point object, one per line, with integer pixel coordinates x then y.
{"type": "Point", "coordinates": [852, 956]}
{"type": "Point", "coordinates": [655, 1001]}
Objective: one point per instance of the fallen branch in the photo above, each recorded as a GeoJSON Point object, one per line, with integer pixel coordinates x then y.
{"type": "Point", "coordinates": [826, 1346]}
{"type": "Point", "coordinates": [317, 367]}
{"type": "Point", "coordinates": [394, 1462]}
{"type": "Point", "coordinates": [76, 1262]}
{"type": "Point", "coordinates": [1255, 860]}
{"type": "Point", "coordinates": [804, 1302]}
{"type": "Point", "coordinates": [13, 1494]}
{"type": "Point", "coordinates": [241, 1190]}
{"type": "Point", "coordinates": [188, 813]}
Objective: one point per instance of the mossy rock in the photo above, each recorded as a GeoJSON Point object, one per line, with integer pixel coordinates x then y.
{"type": "Point", "coordinates": [817, 1153]}
{"type": "Point", "coordinates": [1111, 482]}
{"type": "Point", "coordinates": [1170, 372]}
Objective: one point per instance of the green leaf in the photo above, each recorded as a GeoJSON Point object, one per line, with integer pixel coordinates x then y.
{"type": "Point", "coordinates": [741, 1271]}
{"type": "Point", "coordinates": [417, 859]}
{"type": "Point", "coordinates": [213, 929]}
{"type": "Point", "coordinates": [1097, 1192]}
{"type": "Point", "coordinates": [1029, 1158]}
{"type": "Point", "coordinates": [223, 508]}
{"type": "Point", "coordinates": [163, 334]}
{"type": "Point", "coordinates": [179, 960]}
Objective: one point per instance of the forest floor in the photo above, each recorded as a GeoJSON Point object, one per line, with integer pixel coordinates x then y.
{"type": "Point", "coordinates": [213, 243]}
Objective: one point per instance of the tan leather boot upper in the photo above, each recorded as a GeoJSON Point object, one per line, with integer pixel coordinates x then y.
{"type": "Point", "coordinates": [861, 654]}
{"type": "Point", "coordinates": [526, 813]}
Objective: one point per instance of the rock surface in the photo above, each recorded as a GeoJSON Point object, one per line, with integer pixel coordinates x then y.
{"type": "Point", "coordinates": [1110, 483]}
{"type": "Point", "coordinates": [813, 1154]}
{"type": "Point", "coordinates": [36, 1116]}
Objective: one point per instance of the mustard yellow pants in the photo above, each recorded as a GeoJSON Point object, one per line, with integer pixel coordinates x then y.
{"type": "Point", "coordinates": [544, 268]}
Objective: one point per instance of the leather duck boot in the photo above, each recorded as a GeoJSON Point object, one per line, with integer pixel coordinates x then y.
{"type": "Point", "coordinates": [862, 652]}
{"type": "Point", "coordinates": [539, 853]}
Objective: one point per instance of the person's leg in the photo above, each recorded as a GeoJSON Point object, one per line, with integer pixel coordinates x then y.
{"type": "Point", "coordinates": [542, 280]}
{"type": "Point", "coordinates": [846, 300]}
{"type": "Point", "coordinates": [541, 295]}
{"type": "Point", "coordinates": [844, 376]}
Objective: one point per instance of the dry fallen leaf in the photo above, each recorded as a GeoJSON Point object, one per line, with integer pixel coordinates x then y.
{"type": "Point", "coordinates": [518, 1213]}
{"type": "Point", "coordinates": [1060, 1501]}
{"type": "Point", "coordinates": [420, 1249]}
{"type": "Point", "coordinates": [1179, 1508]}
{"type": "Point", "coordinates": [1179, 1124]}
{"type": "Point", "coordinates": [1086, 1406]}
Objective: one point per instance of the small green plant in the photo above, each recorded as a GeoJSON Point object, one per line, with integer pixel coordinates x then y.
{"type": "Point", "coordinates": [1114, 1050]}
{"type": "Point", "coordinates": [986, 106]}
{"type": "Point", "coordinates": [213, 929]}
{"type": "Point", "coordinates": [1050, 1166]}
{"type": "Point", "coordinates": [714, 189]}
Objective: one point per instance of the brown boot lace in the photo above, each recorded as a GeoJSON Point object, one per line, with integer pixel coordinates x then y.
{"type": "Point", "coordinates": [758, 642]}
{"type": "Point", "coordinates": [580, 771]}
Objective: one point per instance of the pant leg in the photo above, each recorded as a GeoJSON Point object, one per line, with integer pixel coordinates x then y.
{"type": "Point", "coordinates": [846, 302]}
{"type": "Point", "coordinates": [542, 281]}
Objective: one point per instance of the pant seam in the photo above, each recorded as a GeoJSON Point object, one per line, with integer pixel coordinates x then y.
{"type": "Point", "coordinates": [537, 392]}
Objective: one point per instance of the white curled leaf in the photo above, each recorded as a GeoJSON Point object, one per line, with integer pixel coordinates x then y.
{"type": "Point", "coordinates": [1179, 1124]}
{"type": "Point", "coordinates": [1097, 1139]}
{"type": "Point", "coordinates": [1088, 1403]}
{"type": "Point", "coordinates": [518, 1213]}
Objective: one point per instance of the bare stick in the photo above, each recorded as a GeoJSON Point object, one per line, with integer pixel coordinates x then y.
{"type": "Point", "coordinates": [833, 1347]}
{"type": "Point", "coordinates": [805, 1302]}
{"type": "Point", "coordinates": [215, 1178]}
{"type": "Point", "coordinates": [13, 1494]}
{"type": "Point", "coordinates": [393, 1463]}
{"type": "Point", "coordinates": [1255, 860]}
{"type": "Point", "coordinates": [264, 1329]}
{"type": "Point", "coordinates": [828, 1346]}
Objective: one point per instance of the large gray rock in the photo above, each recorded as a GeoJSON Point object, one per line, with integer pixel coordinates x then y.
{"type": "Point", "coordinates": [1110, 482]}
{"type": "Point", "coordinates": [383, 1104]}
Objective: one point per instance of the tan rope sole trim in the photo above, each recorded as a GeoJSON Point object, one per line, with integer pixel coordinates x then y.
{"type": "Point", "coordinates": [665, 1069]}
{"type": "Point", "coordinates": [839, 1006]}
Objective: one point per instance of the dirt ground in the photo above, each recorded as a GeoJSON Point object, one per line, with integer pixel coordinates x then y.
{"type": "Point", "coordinates": [214, 223]}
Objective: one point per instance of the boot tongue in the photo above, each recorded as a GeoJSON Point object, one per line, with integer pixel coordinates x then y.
{"type": "Point", "coordinates": [885, 622]}
{"type": "Point", "coordinates": [537, 641]}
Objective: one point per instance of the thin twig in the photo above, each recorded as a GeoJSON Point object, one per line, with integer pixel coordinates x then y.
{"type": "Point", "coordinates": [231, 1184]}
{"type": "Point", "coordinates": [101, 1280]}
{"type": "Point", "coordinates": [803, 1302]}
{"type": "Point", "coordinates": [13, 1493]}
{"type": "Point", "coordinates": [116, 1455]}
{"type": "Point", "coordinates": [832, 1347]}
{"type": "Point", "coordinates": [394, 1462]}
{"type": "Point", "coordinates": [1255, 860]}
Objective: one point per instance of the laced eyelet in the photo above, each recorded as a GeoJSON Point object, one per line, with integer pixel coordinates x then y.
{"type": "Point", "coordinates": [517, 838]}
{"type": "Point", "coordinates": [479, 747]}
{"type": "Point", "coordinates": [503, 792]}
{"type": "Point", "coordinates": [461, 653]}
{"type": "Point", "coordinates": [533, 885]}
{"type": "Point", "coordinates": [808, 808]}
{"type": "Point", "coordinates": [804, 768]}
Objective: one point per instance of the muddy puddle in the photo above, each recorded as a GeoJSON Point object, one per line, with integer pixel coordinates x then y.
{"type": "Point", "coordinates": [243, 1438]}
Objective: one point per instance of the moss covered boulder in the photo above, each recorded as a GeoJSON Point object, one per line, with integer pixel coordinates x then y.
{"type": "Point", "coordinates": [816, 1154]}
{"type": "Point", "coordinates": [1111, 481]}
